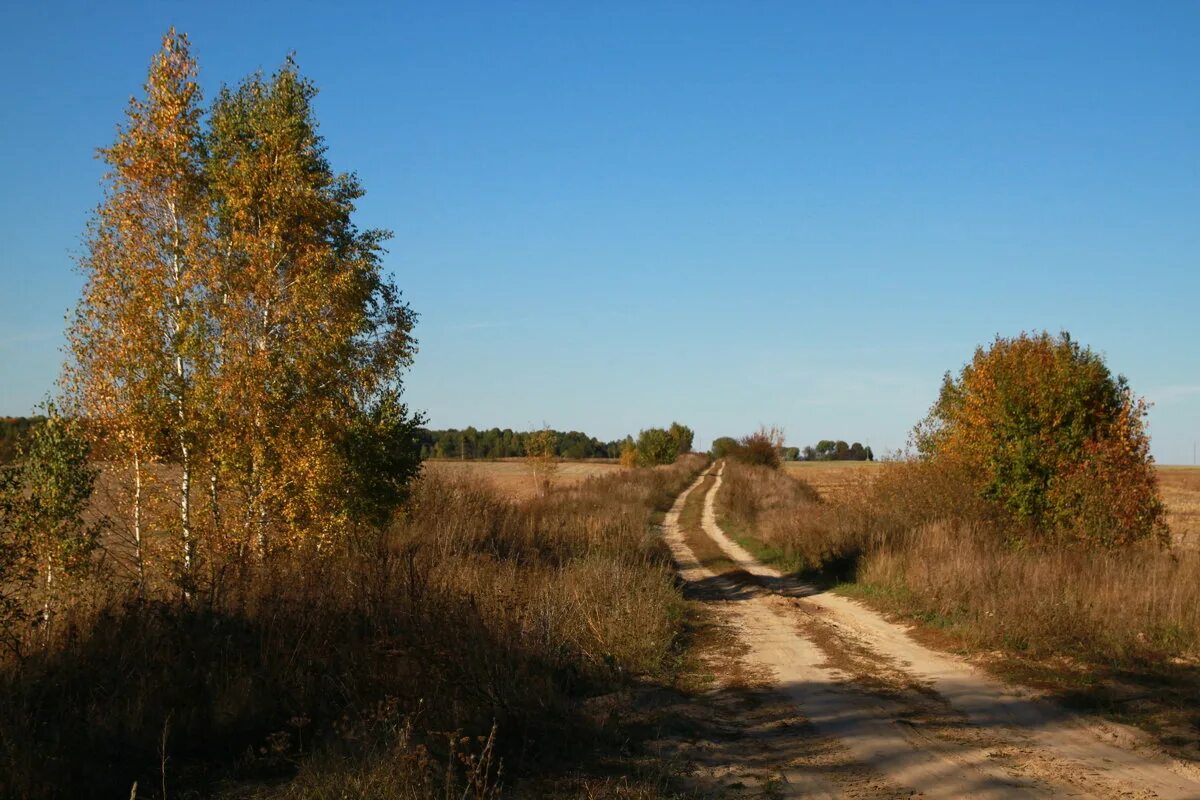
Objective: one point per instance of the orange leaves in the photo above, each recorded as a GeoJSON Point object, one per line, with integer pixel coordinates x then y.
{"type": "Point", "coordinates": [1048, 433]}
{"type": "Point", "coordinates": [234, 319]}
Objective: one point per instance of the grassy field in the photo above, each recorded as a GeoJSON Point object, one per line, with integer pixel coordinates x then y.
{"type": "Point", "coordinates": [513, 477]}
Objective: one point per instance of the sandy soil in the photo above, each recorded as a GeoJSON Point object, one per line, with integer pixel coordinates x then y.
{"type": "Point", "coordinates": [894, 718]}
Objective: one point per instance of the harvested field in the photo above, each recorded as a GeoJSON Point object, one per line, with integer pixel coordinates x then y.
{"type": "Point", "coordinates": [1181, 491]}
{"type": "Point", "coordinates": [514, 478]}
{"type": "Point", "coordinates": [832, 479]}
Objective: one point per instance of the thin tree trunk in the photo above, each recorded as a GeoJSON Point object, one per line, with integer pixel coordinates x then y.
{"type": "Point", "coordinates": [256, 516]}
{"type": "Point", "coordinates": [185, 480]}
{"type": "Point", "coordinates": [260, 430]}
{"type": "Point", "coordinates": [46, 601]}
{"type": "Point", "coordinates": [137, 522]}
{"type": "Point", "coordinates": [215, 572]}
{"type": "Point", "coordinates": [262, 533]}
{"type": "Point", "coordinates": [213, 500]}
{"type": "Point", "coordinates": [185, 506]}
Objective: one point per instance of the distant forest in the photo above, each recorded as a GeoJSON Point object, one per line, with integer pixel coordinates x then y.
{"type": "Point", "coordinates": [452, 443]}
{"type": "Point", "coordinates": [830, 450]}
{"type": "Point", "coordinates": [507, 443]}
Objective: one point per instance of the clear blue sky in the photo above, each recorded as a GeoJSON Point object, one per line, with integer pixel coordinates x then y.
{"type": "Point", "coordinates": [614, 215]}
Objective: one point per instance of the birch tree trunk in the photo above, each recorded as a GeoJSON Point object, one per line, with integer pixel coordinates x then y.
{"type": "Point", "coordinates": [185, 450]}
{"type": "Point", "coordinates": [46, 601]}
{"type": "Point", "coordinates": [139, 557]}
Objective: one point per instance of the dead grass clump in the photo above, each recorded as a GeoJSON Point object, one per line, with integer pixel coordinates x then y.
{"type": "Point", "coordinates": [1117, 607]}
{"type": "Point", "coordinates": [749, 491]}
{"type": "Point", "coordinates": [784, 519]}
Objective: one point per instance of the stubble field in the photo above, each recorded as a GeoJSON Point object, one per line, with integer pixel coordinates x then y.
{"type": "Point", "coordinates": [1181, 492]}
{"type": "Point", "coordinates": [513, 476]}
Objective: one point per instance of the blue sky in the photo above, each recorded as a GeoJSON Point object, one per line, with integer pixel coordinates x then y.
{"type": "Point", "coordinates": [614, 215]}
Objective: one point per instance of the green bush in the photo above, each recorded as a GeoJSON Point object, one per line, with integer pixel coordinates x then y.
{"type": "Point", "coordinates": [662, 446]}
{"type": "Point", "coordinates": [1046, 432]}
{"type": "Point", "coordinates": [656, 446]}
{"type": "Point", "coordinates": [723, 446]}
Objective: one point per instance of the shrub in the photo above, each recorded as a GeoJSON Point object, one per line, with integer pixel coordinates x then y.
{"type": "Point", "coordinates": [629, 454]}
{"type": "Point", "coordinates": [764, 447]}
{"type": "Point", "coordinates": [43, 499]}
{"type": "Point", "coordinates": [683, 436]}
{"type": "Point", "coordinates": [723, 446]}
{"type": "Point", "coordinates": [1044, 430]}
{"type": "Point", "coordinates": [656, 446]}
{"type": "Point", "coordinates": [540, 454]}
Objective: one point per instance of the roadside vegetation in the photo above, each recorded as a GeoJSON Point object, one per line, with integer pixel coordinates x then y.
{"type": "Point", "coordinates": [1028, 525]}
{"type": "Point", "coordinates": [470, 628]}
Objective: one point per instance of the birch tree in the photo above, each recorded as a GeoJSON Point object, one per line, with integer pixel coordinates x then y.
{"type": "Point", "coordinates": [236, 324]}
{"type": "Point", "coordinates": [138, 338]}
{"type": "Point", "coordinates": [313, 336]}
{"type": "Point", "coordinates": [53, 484]}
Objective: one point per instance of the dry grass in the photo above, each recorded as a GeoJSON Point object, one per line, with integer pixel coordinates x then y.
{"type": "Point", "coordinates": [1116, 607]}
{"type": "Point", "coordinates": [782, 520]}
{"type": "Point", "coordinates": [1114, 632]}
{"type": "Point", "coordinates": [377, 670]}
{"type": "Point", "coordinates": [513, 477]}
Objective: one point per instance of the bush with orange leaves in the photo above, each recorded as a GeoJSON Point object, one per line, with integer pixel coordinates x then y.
{"type": "Point", "coordinates": [1045, 431]}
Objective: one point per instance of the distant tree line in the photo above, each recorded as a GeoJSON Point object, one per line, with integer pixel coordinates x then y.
{"type": "Point", "coordinates": [830, 450]}
{"type": "Point", "coordinates": [507, 443]}
{"type": "Point", "coordinates": [755, 447]}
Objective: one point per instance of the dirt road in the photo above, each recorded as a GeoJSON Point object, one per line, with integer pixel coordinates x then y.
{"type": "Point", "coordinates": [897, 719]}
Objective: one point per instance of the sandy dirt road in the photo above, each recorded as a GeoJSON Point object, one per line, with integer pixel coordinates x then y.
{"type": "Point", "coordinates": [899, 719]}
